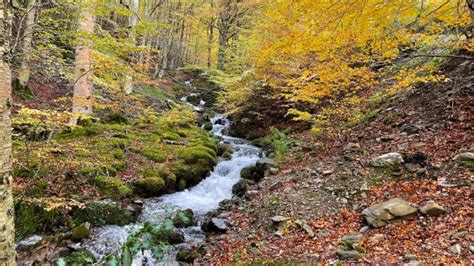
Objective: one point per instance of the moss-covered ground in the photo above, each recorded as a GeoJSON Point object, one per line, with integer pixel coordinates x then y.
{"type": "Point", "coordinates": [114, 156]}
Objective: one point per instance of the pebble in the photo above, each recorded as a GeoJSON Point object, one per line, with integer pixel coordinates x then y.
{"type": "Point", "coordinates": [364, 229]}
{"type": "Point", "coordinates": [456, 249]}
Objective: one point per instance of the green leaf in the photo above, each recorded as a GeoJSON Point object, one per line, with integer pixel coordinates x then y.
{"type": "Point", "coordinates": [126, 257]}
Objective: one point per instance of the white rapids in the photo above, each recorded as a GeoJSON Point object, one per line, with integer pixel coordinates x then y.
{"type": "Point", "coordinates": [202, 198]}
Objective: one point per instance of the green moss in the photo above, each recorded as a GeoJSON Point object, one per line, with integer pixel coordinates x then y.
{"type": "Point", "coordinates": [150, 186]}
{"type": "Point", "coordinates": [115, 118]}
{"type": "Point", "coordinates": [113, 187]}
{"type": "Point", "coordinates": [154, 155]}
{"type": "Point", "coordinates": [192, 173]}
{"type": "Point", "coordinates": [120, 143]}
{"type": "Point", "coordinates": [101, 213]}
{"type": "Point", "coordinates": [79, 132]}
{"type": "Point", "coordinates": [89, 171]}
{"type": "Point", "coordinates": [80, 232]}
{"type": "Point", "coordinates": [82, 257]}
{"type": "Point", "coordinates": [196, 153]}
{"type": "Point", "coordinates": [118, 154]}
{"type": "Point", "coordinates": [169, 135]}
{"type": "Point", "coordinates": [181, 184]}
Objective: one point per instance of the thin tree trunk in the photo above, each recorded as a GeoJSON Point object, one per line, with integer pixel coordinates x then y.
{"type": "Point", "coordinates": [128, 86]}
{"type": "Point", "coordinates": [24, 72]}
{"type": "Point", "coordinates": [7, 230]}
{"type": "Point", "coordinates": [83, 87]}
{"type": "Point", "coordinates": [222, 49]}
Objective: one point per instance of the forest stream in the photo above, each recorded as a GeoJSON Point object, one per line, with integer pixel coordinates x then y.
{"type": "Point", "coordinates": [201, 199]}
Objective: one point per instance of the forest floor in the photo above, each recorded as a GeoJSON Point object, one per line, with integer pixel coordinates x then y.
{"type": "Point", "coordinates": [323, 186]}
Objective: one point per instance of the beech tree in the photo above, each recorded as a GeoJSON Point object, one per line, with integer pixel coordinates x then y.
{"type": "Point", "coordinates": [7, 233]}
{"type": "Point", "coordinates": [24, 71]}
{"type": "Point", "coordinates": [83, 70]}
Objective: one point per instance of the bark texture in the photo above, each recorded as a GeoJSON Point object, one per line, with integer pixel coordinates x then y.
{"type": "Point", "coordinates": [7, 231]}
{"type": "Point", "coordinates": [83, 88]}
{"type": "Point", "coordinates": [24, 72]}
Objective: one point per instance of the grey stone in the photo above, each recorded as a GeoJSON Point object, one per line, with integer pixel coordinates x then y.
{"type": "Point", "coordinates": [410, 257]}
{"type": "Point", "coordinates": [279, 219]}
{"type": "Point", "coordinates": [380, 214]}
{"type": "Point", "coordinates": [387, 160]}
{"type": "Point", "coordinates": [349, 254]}
{"type": "Point", "coordinates": [432, 208]}
{"type": "Point", "coordinates": [353, 238]}
{"type": "Point", "coordinates": [364, 229]}
{"type": "Point", "coordinates": [465, 159]}
{"type": "Point", "coordinates": [29, 242]}
{"type": "Point", "coordinates": [456, 249]}
{"type": "Point", "coordinates": [215, 225]}
{"type": "Point", "coordinates": [240, 188]}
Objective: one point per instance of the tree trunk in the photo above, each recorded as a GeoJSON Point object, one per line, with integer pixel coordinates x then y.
{"type": "Point", "coordinates": [210, 40]}
{"type": "Point", "coordinates": [83, 87]}
{"type": "Point", "coordinates": [24, 72]}
{"type": "Point", "coordinates": [7, 231]}
{"type": "Point", "coordinates": [128, 86]}
{"type": "Point", "coordinates": [222, 49]}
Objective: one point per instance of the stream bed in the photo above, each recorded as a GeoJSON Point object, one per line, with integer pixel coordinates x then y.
{"type": "Point", "coordinates": [202, 199]}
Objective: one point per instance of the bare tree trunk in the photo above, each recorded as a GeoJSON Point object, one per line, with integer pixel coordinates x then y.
{"type": "Point", "coordinates": [83, 87]}
{"type": "Point", "coordinates": [128, 86]}
{"type": "Point", "coordinates": [24, 72]}
{"type": "Point", "coordinates": [223, 45]}
{"type": "Point", "coordinates": [7, 230]}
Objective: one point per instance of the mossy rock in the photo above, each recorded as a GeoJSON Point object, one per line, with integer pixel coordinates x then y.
{"type": "Point", "coordinates": [101, 213]}
{"type": "Point", "coordinates": [165, 174]}
{"type": "Point", "coordinates": [192, 173]}
{"type": "Point", "coordinates": [113, 187]}
{"type": "Point", "coordinates": [198, 153]}
{"type": "Point", "coordinates": [207, 126]}
{"type": "Point", "coordinates": [223, 149]}
{"type": "Point", "coordinates": [170, 236]}
{"type": "Point", "coordinates": [150, 186]}
{"type": "Point", "coordinates": [183, 218]}
{"type": "Point", "coordinates": [80, 232]}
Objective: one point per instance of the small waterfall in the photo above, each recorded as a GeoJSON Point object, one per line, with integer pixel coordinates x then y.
{"type": "Point", "coordinates": [202, 198]}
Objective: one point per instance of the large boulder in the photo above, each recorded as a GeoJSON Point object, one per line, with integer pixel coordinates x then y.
{"type": "Point", "coordinates": [82, 231]}
{"type": "Point", "coordinates": [380, 214]}
{"type": "Point", "coordinates": [257, 172]}
{"type": "Point", "coordinates": [265, 164]}
{"type": "Point", "coordinates": [388, 160]}
{"type": "Point", "coordinates": [240, 188]}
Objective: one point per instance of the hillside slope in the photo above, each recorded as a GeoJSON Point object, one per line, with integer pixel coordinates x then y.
{"type": "Point", "coordinates": [312, 209]}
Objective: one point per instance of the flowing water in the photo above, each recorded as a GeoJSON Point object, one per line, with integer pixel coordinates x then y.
{"type": "Point", "coordinates": [202, 199]}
